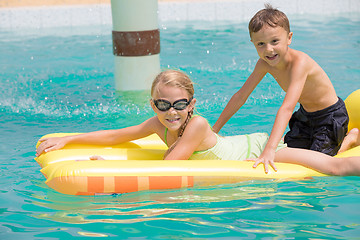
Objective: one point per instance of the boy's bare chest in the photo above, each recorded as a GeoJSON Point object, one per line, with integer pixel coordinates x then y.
{"type": "Point", "coordinates": [283, 79]}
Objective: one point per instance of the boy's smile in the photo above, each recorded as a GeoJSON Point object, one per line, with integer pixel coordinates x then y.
{"type": "Point", "coordinates": [271, 43]}
{"type": "Point", "coordinates": [272, 57]}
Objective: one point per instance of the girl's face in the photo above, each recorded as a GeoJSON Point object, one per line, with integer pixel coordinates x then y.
{"type": "Point", "coordinates": [271, 43]}
{"type": "Point", "coordinates": [172, 119]}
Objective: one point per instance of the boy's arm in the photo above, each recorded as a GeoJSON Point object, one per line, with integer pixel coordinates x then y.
{"type": "Point", "coordinates": [293, 93]}
{"type": "Point", "coordinates": [240, 97]}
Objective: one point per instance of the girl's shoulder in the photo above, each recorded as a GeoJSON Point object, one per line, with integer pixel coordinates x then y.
{"type": "Point", "coordinates": [199, 121]}
{"type": "Point", "coordinates": [153, 124]}
{"type": "Point", "coordinates": [197, 117]}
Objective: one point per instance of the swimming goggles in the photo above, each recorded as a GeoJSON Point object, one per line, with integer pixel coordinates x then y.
{"type": "Point", "coordinates": [164, 105]}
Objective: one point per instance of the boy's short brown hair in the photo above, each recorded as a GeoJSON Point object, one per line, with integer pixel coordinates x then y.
{"type": "Point", "coordinates": [270, 16]}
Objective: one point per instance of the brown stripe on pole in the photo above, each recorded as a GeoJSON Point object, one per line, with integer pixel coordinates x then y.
{"type": "Point", "coordinates": [136, 43]}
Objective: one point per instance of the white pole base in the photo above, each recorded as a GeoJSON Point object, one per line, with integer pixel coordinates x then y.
{"type": "Point", "coordinates": [136, 73]}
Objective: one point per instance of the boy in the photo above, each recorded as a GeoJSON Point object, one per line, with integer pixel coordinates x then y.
{"type": "Point", "coordinates": [321, 122]}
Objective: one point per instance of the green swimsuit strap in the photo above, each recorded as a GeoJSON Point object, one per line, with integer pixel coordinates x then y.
{"type": "Point", "coordinates": [249, 146]}
{"type": "Point", "coordinates": [166, 130]}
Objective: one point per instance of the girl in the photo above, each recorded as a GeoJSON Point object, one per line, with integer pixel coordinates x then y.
{"type": "Point", "coordinates": [191, 137]}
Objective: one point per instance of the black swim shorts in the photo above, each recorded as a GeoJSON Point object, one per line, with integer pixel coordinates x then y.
{"type": "Point", "coordinates": [321, 131]}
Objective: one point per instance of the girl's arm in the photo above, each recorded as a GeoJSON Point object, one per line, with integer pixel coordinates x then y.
{"type": "Point", "coordinates": [198, 135]}
{"type": "Point", "coordinates": [104, 137]}
{"type": "Point", "coordinates": [240, 97]}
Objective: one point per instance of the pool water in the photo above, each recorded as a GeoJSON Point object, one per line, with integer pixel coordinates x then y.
{"type": "Point", "coordinates": [61, 80]}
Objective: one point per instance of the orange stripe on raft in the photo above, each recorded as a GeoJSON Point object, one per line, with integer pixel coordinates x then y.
{"type": "Point", "coordinates": [167, 182]}
{"type": "Point", "coordinates": [95, 184]}
{"type": "Point", "coordinates": [124, 184]}
{"type": "Point", "coordinates": [190, 181]}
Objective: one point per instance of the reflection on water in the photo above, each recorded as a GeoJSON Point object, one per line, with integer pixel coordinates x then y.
{"type": "Point", "coordinates": [253, 207]}
{"type": "Point", "coordinates": [152, 205]}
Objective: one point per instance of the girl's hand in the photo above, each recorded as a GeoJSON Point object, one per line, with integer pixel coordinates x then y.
{"type": "Point", "coordinates": [266, 158]}
{"type": "Point", "coordinates": [96, 157]}
{"type": "Point", "coordinates": [50, 144]}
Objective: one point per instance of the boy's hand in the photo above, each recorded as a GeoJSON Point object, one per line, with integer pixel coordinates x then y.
{"type": "Point", "coordinates": [266, 158]}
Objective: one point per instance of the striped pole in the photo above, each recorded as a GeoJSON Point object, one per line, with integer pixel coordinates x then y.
{"type": "Point", "coordinates": [136, 43]}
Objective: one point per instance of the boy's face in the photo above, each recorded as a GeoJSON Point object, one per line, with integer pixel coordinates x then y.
{"type": "Point", "coordinates": [271, 43]}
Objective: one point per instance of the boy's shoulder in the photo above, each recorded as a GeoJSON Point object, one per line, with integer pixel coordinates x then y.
{"type": "Point", "coordinates": [295, 60]}
{"type": "Point", "coordinates": [301, 61]}
{"type": "Point", "coordinates": [299, 56]}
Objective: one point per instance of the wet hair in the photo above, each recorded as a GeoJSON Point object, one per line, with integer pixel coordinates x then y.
{"type": "Point", "coordinates": [177, 79]}
{"type": "Point", "coordinates": [268, 16]}
{"type": "Point", "coordinates": [173, 78]}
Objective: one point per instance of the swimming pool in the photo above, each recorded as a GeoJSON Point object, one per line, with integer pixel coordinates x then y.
{"type": "Point", "coordinates": [64, 83]}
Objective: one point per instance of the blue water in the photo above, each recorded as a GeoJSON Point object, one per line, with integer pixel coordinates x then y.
{"type": "Point", "coordinates": [61, 80]}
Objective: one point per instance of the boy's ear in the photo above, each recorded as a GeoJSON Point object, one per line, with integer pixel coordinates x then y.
{"type": "Point", "coordinates": [290, 37]}
{"type": "Point", "coordinates": [251, 38]}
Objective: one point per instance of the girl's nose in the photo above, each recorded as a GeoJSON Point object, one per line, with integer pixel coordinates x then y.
{"type": "Point", "coordinates": [172, 111]}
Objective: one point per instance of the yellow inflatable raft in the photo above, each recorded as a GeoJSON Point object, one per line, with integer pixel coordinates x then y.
{"type": "Point", "coordinates": [136, 166]}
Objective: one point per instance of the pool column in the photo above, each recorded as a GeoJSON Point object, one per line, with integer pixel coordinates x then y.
{"type": "Point", "coordinates": [136, 43]}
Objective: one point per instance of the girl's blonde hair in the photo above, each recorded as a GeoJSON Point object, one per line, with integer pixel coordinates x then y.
{"type": "Point", "coordinates": [173, 78]}
{"type": "Point", "coordinates": [177, 79]}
